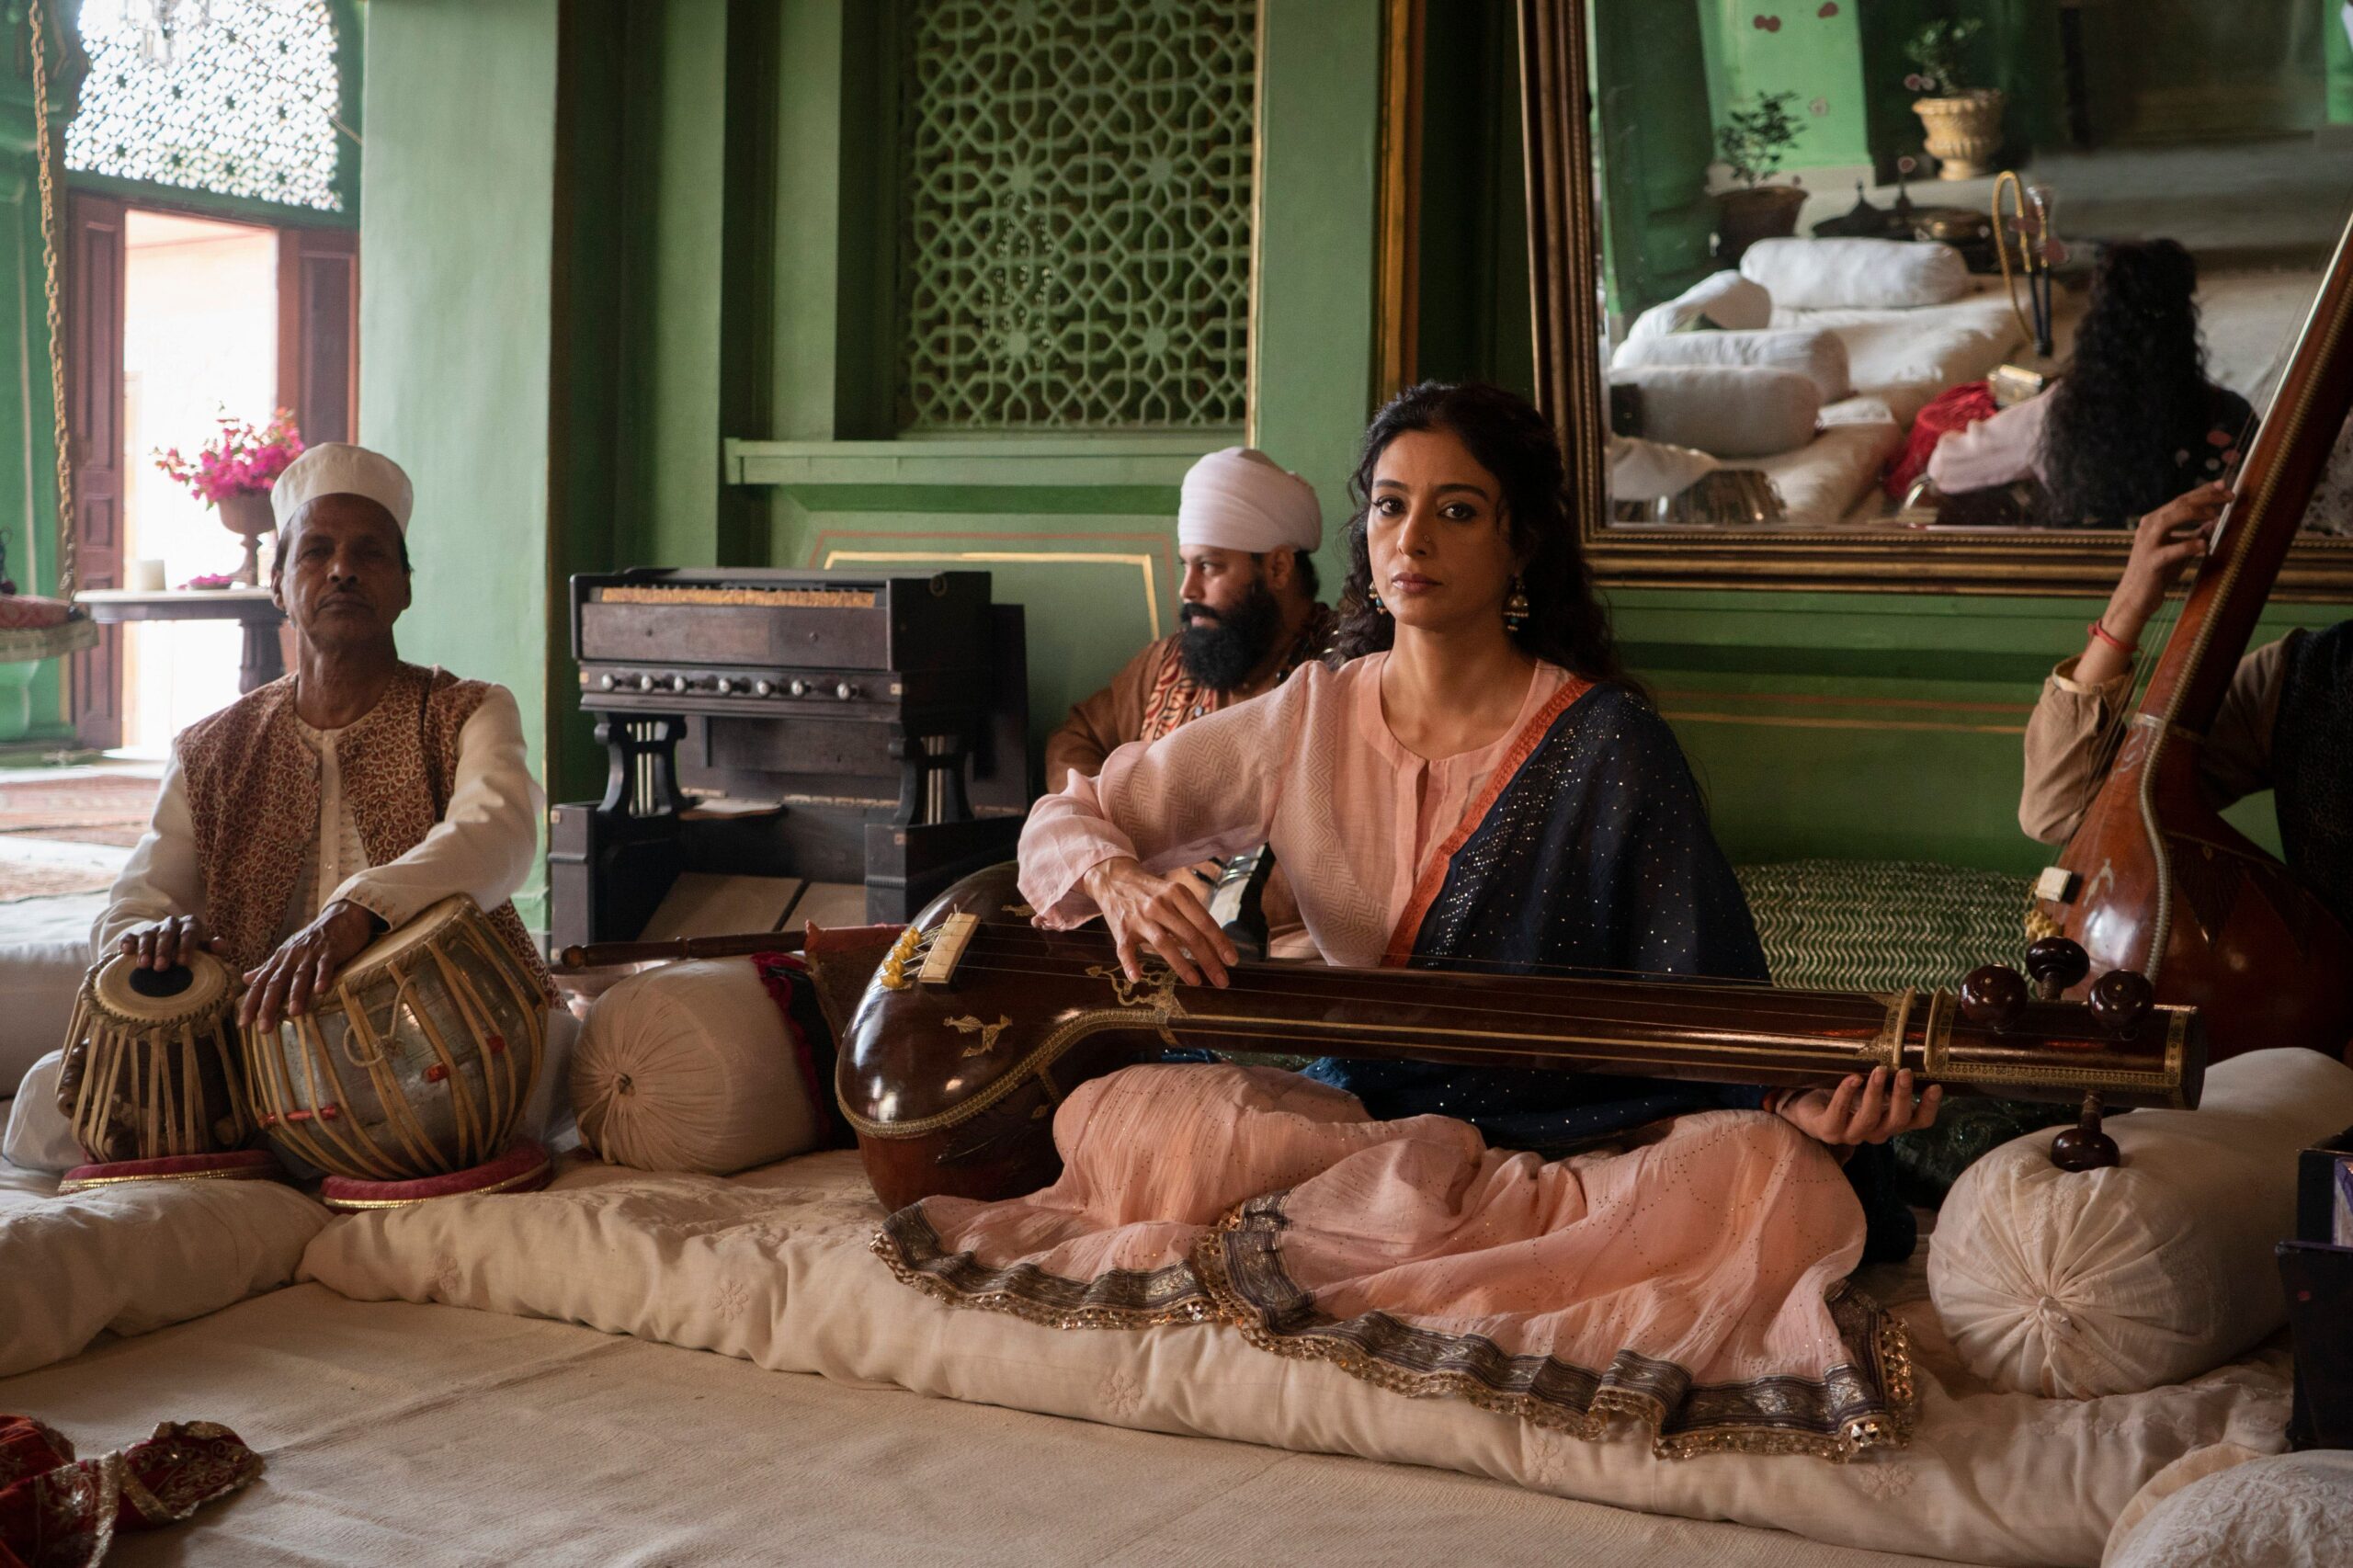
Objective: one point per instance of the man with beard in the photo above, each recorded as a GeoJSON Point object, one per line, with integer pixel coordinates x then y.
{"type": "Point", "coordinates": [1248, 614]}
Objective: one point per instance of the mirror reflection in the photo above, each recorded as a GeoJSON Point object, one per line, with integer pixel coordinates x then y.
{"type": "Point", "coordinates": [1881, 271]}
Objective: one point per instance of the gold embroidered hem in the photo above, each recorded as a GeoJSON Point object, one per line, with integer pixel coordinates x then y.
{"type": "Point", "coordinates": [1853, 1409]}
{"type": "Point", "coordinates": [1120, 1298]}
{"type": "Point", "coordinates": [1236, 1278]}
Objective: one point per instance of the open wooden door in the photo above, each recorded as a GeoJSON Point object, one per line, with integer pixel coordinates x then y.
{"type": "Point", "coordinates": [318, 331]}
{"type": "Point", "coordinates": [94, 410]}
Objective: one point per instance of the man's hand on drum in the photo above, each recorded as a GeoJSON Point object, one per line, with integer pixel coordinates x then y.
{"type": "Point", "coordinates": [305, 964]}
{"type": "Point", "coordinates": [160, 946]}
{"type": "Point", "coordinates": [1163, 914]}
{"type": "Point", "coordinates": [1862, 1110]}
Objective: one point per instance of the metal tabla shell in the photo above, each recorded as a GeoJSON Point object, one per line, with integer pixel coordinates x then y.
{"type": "Point", "coordinates": [416, 1063]}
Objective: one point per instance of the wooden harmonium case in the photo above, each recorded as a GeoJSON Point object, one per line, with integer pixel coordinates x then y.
{"type": "Point", "coordinates": [840, 727]}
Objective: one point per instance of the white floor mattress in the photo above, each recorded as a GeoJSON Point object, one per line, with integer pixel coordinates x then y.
{"type": "Point", "coordinates": [397, 1431]}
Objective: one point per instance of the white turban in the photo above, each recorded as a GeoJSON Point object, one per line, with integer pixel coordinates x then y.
{"type": "Point", "coordinates": [338, 468]}
{"type": "Point", "coordinates": [1238, 499]}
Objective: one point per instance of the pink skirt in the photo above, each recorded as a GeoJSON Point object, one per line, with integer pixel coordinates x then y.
{"type": "Point", "coordinates": [1694, 1284]}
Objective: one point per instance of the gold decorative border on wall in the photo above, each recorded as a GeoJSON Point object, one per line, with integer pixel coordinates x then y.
{"type": "Point", "coordinates": [1564, 241]}
{"type": "Point", "coordinates": [1142, 562]}
{"type": "Point", "coordinates": [1397, 275]}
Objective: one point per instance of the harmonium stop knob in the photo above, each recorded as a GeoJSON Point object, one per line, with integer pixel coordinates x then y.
{"type": "Point", "coordinates": [2056, 963]}
{"type": "Point", "coordinates": [2120, 999]}
{"type": "Point", "coordinates": [1993, 996]}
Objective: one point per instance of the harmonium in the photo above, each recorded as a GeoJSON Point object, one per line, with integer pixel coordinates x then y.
{"type": "Point", "coordinates": [826, 745]}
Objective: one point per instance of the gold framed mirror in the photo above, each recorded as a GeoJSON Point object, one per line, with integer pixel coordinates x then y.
{"type": "Point", "coordinates": [1753, 521]}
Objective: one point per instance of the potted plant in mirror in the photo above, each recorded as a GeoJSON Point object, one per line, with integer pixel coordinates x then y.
{"type": "Point", "coordinates": [1753, 142]}
{"type": "Point", "coordinates": [1964, 123]}
{"type": "Point", "coordinates": [234, 471]}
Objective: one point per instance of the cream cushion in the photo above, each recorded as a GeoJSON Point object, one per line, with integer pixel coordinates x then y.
{"type": "Point", "coordinates": [38, 984]}
{"type": "Point", "coordinates": [2283, 1508]}
{"type": "Point", "coordinates": [1817, 355]}
{"type": "Point", "coordinates": [2082, 1283]}
{"type": "Point", "coordinates": [1829, 275]}
{"type": "Point", "coordinates": [134, 1257]}
{"type": "Point", "coordinates": [1731, 411]}
{"type": "Point", "coordinates": [1650, 471]}
{"type": "Point", "coordinates": [691, 1067]}
{"type": "Point", "coordinates": [1724, 299]}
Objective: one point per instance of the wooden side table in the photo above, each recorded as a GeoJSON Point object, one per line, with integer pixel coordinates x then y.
{"type": "Point", "coordinates": [263, 660]}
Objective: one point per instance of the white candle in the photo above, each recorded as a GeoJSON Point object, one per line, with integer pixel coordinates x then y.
{"type": "Point", "coordinates": [146, 576]}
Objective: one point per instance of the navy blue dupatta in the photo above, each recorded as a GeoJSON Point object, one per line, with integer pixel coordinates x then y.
{"type": "Point", "coordinates": [1593, 853]}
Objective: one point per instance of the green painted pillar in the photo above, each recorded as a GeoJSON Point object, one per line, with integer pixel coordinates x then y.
{"type": "Point", "coordinates": [33, 710]}
{"type": "Point", "coordinates": [2336, 62]}
{"type": "Point", "coordinates": [455, 328]}
{"type": "Point", "coordinates": [1319, 134]}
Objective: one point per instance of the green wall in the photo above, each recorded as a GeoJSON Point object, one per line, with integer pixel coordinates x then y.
{"type": "Point", "coordinates": [455, 328]}
{"type": "Point", "coordinates": [1817, 57]}
{"type": "Point", "coordinates": [629, 301]}
{"type": "Point", "coordinates": [2337, 65]}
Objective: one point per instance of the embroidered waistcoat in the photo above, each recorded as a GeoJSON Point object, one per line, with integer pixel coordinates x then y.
{"type": "Point", "coordinates": [253, 787]}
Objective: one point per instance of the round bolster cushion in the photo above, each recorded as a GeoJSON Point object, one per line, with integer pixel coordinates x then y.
{"type": "Point", "coordinates": [1729, 411]}
{"type": "Point", "coordinates": [1724, 299]}
{"type": "Point", "coordinates": [1856, 275]}
{"type": "Point", "coordinates": [1816, 353]}
{"type": "Point", "coordinates": [2279, 1510]}
{"type": "Point", "coordinates": [691, 1067]}
{"type": "Point", "coordinates": [2073, 1284]}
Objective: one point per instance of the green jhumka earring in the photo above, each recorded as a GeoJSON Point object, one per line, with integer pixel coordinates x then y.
{"type": "Point", "coordinates": [1516, 606]}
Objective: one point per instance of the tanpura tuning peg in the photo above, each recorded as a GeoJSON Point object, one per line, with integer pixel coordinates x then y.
{"type": "Point", "coordinates": [2056, 963]}
{"type": "Point", "coordinates": [2085, 1146]}
{"type": "Point", "coordinates": [1994, 995]}
{"type": "Point", "coordinates": [2120, 999]}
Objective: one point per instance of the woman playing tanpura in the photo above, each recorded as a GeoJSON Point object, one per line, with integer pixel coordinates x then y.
{"type": "Point", "coordinates": [1477, 784]}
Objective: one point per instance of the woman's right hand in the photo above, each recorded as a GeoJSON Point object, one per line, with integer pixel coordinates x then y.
{"type": "Point", "coordinates": [2166, 542]}
{"type": "Point", "coordinates": [1162, 914]}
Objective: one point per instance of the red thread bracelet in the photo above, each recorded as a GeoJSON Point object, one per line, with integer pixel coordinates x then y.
{"type": "Point", "coordinates": [2105, 635]}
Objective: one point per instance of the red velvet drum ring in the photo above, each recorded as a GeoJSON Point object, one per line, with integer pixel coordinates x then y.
{"type": "Point", "coordinates": [525, 1167]}
{"type": "Point", "coordinates": [237, 1164]}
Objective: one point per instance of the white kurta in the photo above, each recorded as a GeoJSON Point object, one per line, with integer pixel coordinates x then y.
{"type": "Point", "coordinates": [484, 846]}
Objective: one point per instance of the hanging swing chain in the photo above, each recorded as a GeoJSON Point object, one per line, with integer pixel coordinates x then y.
{"type": "Point", "coordinates": [46, 152]}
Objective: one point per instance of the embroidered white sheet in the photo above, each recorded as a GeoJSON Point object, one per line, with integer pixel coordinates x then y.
{"type": "Point", "coordinates": [773, 1267]}
{"type": "Point", "coordinates": [445, 1438]}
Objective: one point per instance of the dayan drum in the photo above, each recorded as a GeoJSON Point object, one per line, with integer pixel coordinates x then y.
{"type": "Point", "coordinates": [150, 1079]}
{"type": "Point", "coordinates": [409, 1078]}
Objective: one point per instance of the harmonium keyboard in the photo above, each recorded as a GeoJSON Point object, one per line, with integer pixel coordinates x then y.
{"type": "Point", "coordinates": [820, 729]}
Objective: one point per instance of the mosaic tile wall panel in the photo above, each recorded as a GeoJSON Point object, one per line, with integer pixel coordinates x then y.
{"type": "Point", "coordinates": [244, 104]}
{"type": "Point", "coordinates": [1074, 219]}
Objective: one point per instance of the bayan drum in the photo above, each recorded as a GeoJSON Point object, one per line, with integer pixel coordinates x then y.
{"type": "Point", "coordinates": [149, 1082]}
{"type": "Point", "coordinates": [407, 1079]}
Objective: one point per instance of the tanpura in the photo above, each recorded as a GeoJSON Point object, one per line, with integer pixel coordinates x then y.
{"type": "Point", "coordinates": [960, 1033]}
{"type": "Point", "coordinates": [2154, 880]}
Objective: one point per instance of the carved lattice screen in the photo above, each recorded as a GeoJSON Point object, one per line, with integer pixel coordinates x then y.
{"type": "Point", "coordinates": [1075, 239]}
{"type": "Point", "coordinates": [245, 106]}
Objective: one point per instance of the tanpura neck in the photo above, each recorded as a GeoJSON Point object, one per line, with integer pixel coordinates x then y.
{"type": "Point", "coordinates": [336, 687]}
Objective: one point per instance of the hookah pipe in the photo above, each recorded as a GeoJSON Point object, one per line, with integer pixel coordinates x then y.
{"type": "Point", "coordinates": [2039, 248]}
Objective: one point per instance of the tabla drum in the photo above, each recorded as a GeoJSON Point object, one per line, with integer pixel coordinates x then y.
{"type": "Point", "coordinates": [149, 1078]}
{"type": "Point", "coordinates": [409, 1078]}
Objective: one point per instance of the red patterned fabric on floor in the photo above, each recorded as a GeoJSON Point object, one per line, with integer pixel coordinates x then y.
{"type": "Point", "coordinates": [56, 1512]}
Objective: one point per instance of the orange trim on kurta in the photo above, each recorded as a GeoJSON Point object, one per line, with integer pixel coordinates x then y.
{"type": "Point", "coordinates": [1401, 940]}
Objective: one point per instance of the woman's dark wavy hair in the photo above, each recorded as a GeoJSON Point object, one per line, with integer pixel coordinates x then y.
{"type": "Point", "coordinates": [2136, 394]}
{"type": "Point", "coordinates": [1566, 624]}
